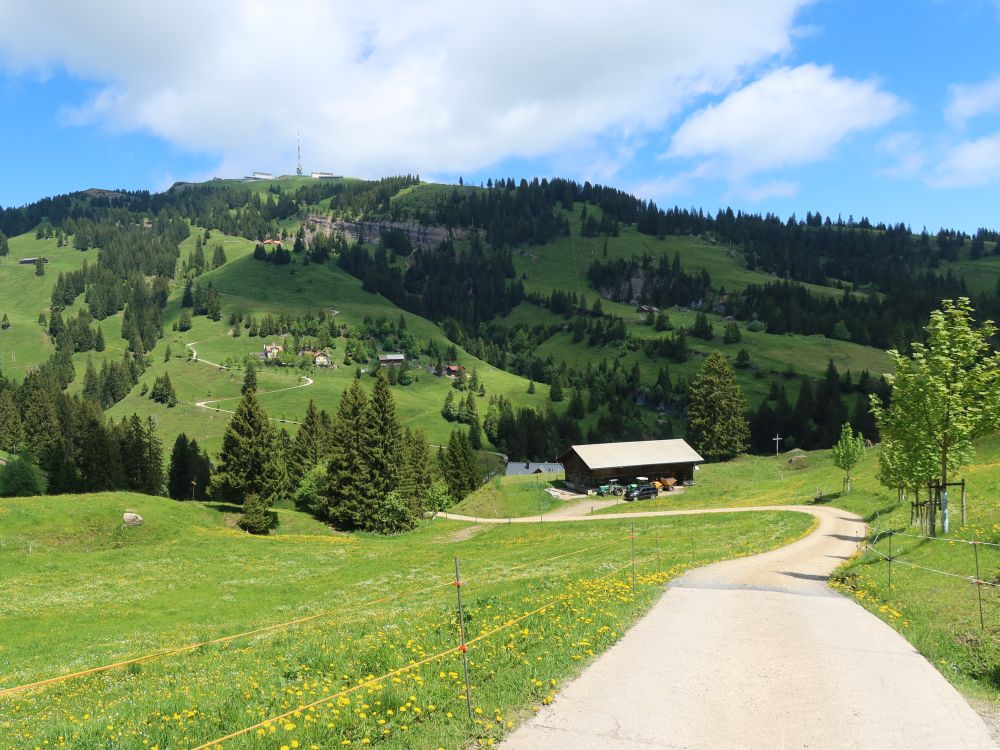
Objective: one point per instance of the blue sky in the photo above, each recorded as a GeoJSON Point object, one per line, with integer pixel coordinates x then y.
{"type": "Point", "coordinates": [889, 110]}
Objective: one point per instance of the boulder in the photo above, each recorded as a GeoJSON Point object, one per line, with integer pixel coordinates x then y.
{"type": "Point", "coordinates": [132, 519]}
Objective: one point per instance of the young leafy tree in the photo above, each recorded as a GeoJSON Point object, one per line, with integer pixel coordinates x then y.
{"type": "Point", "coordinates": [847, 451]}
{"type": "Point", "coordinates": [21, 478]}
{"type": "Point", "coordinates": [946, 395]}
{"type": "Point", "coordinates": [717, 425]}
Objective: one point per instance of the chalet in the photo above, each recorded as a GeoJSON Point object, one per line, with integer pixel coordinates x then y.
{"type": "Point", "coordinates": [525, 468]}
{"type": "Point", "coordinates": [32, 261]}
{"type": "Point", "coordinates": [588, 466]}
{"type": "Point", "coordinates": [271, 351]}
{"type": "Point", "coordinates": [272, 242]}
{"type": "Point", "coordinates": [453, 371]}
{"type": "Point", "coordinates": [321, 359]}
{"type": "Point", "coordinates": [391, 360]}
{"type": "Point", "coordinates": [325, 176]}
{"type": "Point", "coordinates": [262, 176]}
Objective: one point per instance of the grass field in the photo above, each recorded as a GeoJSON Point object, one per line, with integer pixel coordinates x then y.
{"type": "Point", "coordinates": [102, 593]}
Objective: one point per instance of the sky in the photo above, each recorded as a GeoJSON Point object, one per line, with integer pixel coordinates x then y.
{"type": "Point", "coordinates": [888, 109]}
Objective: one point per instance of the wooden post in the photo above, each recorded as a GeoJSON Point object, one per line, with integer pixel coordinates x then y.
{"type": "Point", "coordinates": [633, 564]}
{"type": "Point", "coordinates": [890, 559]}
{"type": "Point", "coordinates": [979, 585]}
{"type": "Point", "coordinates": [963, 502]}
{"type": "Point", "coordinates": [932, 510]}
{"type": "Point", "coordinates": [463, 648]}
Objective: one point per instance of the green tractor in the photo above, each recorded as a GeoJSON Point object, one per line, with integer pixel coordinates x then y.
{"type": "Point", "coordinates": [611, 488]}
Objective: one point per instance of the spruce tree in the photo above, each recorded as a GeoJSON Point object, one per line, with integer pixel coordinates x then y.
{"type": "Point", "coordinates": [383, 441]}
{"type": "Point", "coordinates": [347, 471]}
{"type": "Point", "coordinates": [180, 473]}
{"type": "Point", "coordinates": [717, 425]}
{"type": "Point", "coordinates": [11, 431]}
{"type": "Point", "coordinates": [248, 463]}
{"type": "Point", "coordinates": [556, 389]}
{"type": "Point", "coordinates": [311, 445]}
{"type": "Point", "coordinates": [250, 379]}
{"type": "Point", "coordinates": [257, 516]}
{"type": "Point", "coordinates": [4, 246]}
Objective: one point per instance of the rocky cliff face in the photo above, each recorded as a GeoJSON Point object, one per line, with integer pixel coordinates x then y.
{"type": "Point", "coordinates": [420, 235]}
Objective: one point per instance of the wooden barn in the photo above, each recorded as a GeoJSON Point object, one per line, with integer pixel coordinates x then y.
{"type": "Point", "coordinates": [589, 466]}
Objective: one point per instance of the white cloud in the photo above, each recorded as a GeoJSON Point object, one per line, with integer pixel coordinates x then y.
{"type": "Point", "coordinates": [971, 163]}
{"type": "Point", "coordinates": [790, 116]}
{"type": "Point", "coordinates": [907, 152]}
{"type": "Point", "coordinates": [442, 85]}
{"type": "Point", "coordinates": [971, 100]}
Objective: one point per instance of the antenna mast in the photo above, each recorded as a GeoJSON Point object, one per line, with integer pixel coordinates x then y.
{"type": "Point", "coordinates": [298, 146]}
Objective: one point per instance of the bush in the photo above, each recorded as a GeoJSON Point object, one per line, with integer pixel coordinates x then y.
{"type": "Point", "coordinates": [21, 478]}
{"type": "Point", "coordinates": [389, 514]}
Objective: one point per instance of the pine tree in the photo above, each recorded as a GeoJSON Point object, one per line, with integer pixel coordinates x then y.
{"type": "Point", "coordinates": [11, 431]}
{"type": "Point", "coordinates": [249, 463]}
{"type": "Point", "coordinates": [184, 321]}
{"type": "Point", "coordinates": [180, 473]}
{"type": "Point", "coordinates": [257, 516]}
{"type": "Point", "coordinates": [449, 411]}
{"type": "Point", "coordinates": [311, 445]}
{"type": "Point", "coordinates": [99, 340]}
{"type": "Point", "coordinates": [91, 383]}
{"type": "Point", "coordinates": [218, 257]}
{"type": "Point", "coordinates": [4, 246]}
{"type": "Point", "coordinates": [717, 424]}
{"type": "Point", "coordinates": [556, 389]}
{"type": "Point", "coordinates": [347, 471]}
{"type": "Point", "coordinates": [250, 379]}
{"type": "Point", "coordinates": [4, 322]}
{"type": "Point", "coordinates": [459, 465]}
{"type": "Point", "coordinates": [39, 267]}
{"type": "Point", "coordinates": [417, 473]}
{"type": "Point", "coordinates": [383, 444]}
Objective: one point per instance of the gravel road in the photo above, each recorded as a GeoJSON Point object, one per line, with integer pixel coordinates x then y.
{"type": "Point", "coordinates": [760, 653]}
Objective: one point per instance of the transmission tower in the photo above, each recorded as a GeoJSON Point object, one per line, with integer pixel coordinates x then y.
{"type": "Point", "coordinates": [298, 146]}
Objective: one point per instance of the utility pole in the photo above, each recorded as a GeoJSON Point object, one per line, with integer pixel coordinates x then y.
{"type": "Point", "coordinates": [777, 441]}
{"type": "Point", "coordinates": [298, 148]}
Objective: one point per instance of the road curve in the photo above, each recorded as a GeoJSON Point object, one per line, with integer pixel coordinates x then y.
{"type": "Point", "coordinates": [758, 653]}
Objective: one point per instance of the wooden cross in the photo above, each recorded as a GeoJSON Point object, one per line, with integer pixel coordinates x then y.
{"type": "Point", "coordinates": [777, 440]}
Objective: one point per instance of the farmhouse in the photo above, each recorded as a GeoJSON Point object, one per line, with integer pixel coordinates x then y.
{"type": "Point", "coordinates": [391, 360]}
{"type": "Point", "coordinates": [524, 468]}
{"type": "Point", "coordinates": [321, 359]}
{"type": "Point", "coordinates": [271, 351]}
{"type": "Point", "coordinates": [32, 261]}
{"type": "Point", "coordinates": [453, 371]}
{"type": "Point", "coordinates": [588, 466]}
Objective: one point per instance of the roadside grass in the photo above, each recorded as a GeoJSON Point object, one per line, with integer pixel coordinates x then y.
{"type": "Point", "coordinates": [939, 614]}
{"type": "Point", "coordinates": [512, 497]}
{"type": "Point", "coordinates": [102, 593]}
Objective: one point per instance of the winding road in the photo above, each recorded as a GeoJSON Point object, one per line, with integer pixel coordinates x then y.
{"type": "Point", "coordinates": [205, 404]}
{"type": "Point", "coordinates": [757, 653]}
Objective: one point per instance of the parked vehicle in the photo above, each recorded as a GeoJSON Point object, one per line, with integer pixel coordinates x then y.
{"type": "Point", "coordinates": [611, 488]}
{"type": "Point", "coordinates": [665, 484]}
{"type": "Point", "coordinates": [641, 492]}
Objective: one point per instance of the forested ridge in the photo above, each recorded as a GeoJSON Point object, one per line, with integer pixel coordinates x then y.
{"type": "Point", "coordinates": [887, 278]}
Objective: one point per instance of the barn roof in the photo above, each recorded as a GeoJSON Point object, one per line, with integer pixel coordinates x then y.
{"type": "Point", "coordinates": [638, 453]}
{"type": "Point", "coordinates": [522, 468]}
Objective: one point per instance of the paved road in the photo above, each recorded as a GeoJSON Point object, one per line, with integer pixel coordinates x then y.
{"type": "Point", "coordinates": [760, 653]}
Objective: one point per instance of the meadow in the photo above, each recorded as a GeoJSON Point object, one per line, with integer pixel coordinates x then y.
{"type": "Point", "coordinates": [540, 603]}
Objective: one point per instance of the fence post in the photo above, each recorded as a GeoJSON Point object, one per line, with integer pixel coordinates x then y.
{"type": "Point", "coordinates": [963, 502]}
{"type": "Point", "coordinates": [656, 537]}
{"type": "Point", "coordinates": [890, 559]}
{"type": "Point", "coordinates": [979, 584]}
{"type": "Point", "coordinates": [463, 648]}
{"type": "Point", "coordinates": [633, 564]}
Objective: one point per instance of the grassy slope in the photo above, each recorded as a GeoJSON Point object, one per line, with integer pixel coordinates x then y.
{"type": "Point", "coordinates": [251, 286]}
{"type": "Point", "coordinates": [563, 265]}
{"type": "Point", "coordinates": [100, 592]}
